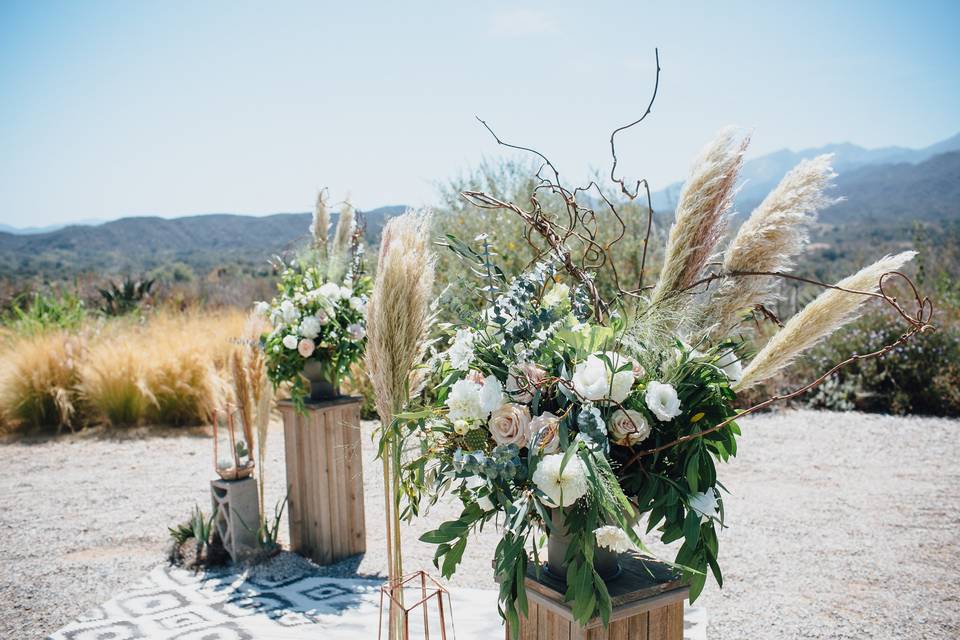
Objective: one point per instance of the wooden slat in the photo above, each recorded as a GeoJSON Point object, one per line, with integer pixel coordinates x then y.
{"type": "Point", "coordinates": [657, 624]}
{"type": "Point", "coordinates": [354, 477]}
{"type": "Point", "coordinates": [294, 508]}
{"type": "Point", "coordinates": [638, 626]}
{"type": "Point", "coordinates": [675, 621]}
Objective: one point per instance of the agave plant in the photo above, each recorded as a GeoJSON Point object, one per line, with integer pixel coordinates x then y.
{"type": "Point", "coordinates": [125, 298]}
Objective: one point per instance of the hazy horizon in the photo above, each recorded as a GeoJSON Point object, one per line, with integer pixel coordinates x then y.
{"type": "Point", "coordinates": [115, 110]}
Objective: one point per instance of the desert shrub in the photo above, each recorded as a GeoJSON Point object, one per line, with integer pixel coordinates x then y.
{"type": "Point", "coordinates": [921, 376]}
{"type": "Point", "coordinates": [127, 297]}
{"type": "Point", "coordinates": [36, 312]}
{"type": "Point", "coordinates": [113, 384]}
{"type": "Point", "coordinates": [39, 380]}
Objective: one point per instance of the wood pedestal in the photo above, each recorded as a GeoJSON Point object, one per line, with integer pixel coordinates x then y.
{"type": "Point", "coordinates": [325, 479]}
{"type": "Point", "coordinates": [645, 606]}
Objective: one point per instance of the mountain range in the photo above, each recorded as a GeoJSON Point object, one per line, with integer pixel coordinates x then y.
{"type": "Point", "coordinates": [885, 191]}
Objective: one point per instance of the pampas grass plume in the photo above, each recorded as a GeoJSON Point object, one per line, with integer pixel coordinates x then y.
{"type": "Point", "coordinates": [773, 235]}
{"type": "Point", "coordinates": [320, 227]}
{"type": "Point", "coordinates": [827, 313]}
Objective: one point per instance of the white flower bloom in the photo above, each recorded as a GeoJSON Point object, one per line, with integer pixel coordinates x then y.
{"type": "Point", "coordinates": [731, 365]}
{"type": "Point", "coordinates": [484, 502]}
{"type": "Point", "coordinates": [290, 341]}
{"type": "Point", "coordinates": [491, 394]}
{"type": "Point", "coordinates": [310, 327]}
{"type": "Point", "coordinates": [628, 427]}
{"type": "Point", "coordinates": [345, 293]}
{"type": "Point", "coordinates": [306, 347]}
{"type": "Point", "coordinates": [613, 539]}
{"type": "Point", "coordinates": [357, 304]}
{"type": "Point", "coordinates": [557, 294]}
{"type": "Point", "coordinates": [461, 351]}
{"type": "Point", "coordinates": [705, 504]}
{"type": "Point", "coordinates": [662, 400]}
{"type": "Point", "coordinates": [562, 489]}
{"type": "Point", "coordinates": [594, 380]}
{"type": "Point", "coordinates": [330, 291]}
{"type": "Point", "coordinates": [289, 312]}
{"type": "Point", "coordinates": [510, 424]}
{"type": "Point", "coordinates": [461, 427]}
{"type": "Point", "coordinates": [356, 331]}
{"type": "Point", "coordinates": [464, 401]}
{"type": "Point", "coordinates": [262, 309]}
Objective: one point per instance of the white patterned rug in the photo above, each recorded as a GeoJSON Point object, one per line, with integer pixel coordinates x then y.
{"type": "Point", "coordinates": [287, 598]}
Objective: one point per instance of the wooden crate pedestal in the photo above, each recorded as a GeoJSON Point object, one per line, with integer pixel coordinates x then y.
{"type": "Point", "coordinates": [645, 607]}
{"type": "Point", "coordinates": [325, 479]}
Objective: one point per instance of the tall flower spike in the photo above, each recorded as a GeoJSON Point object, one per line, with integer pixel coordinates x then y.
{"type": "Point", "coordinates": [701, 216]}
{"type": "Point", "coordinates": [827, 313]}
{"type": "Point", "coordinates": [774, 234]}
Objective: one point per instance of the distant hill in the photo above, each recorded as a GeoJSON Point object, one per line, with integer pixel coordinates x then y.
{"type": "Point", "coordinates": [135, 245]}
{"type": "Point", "coordinates": [760, 175]}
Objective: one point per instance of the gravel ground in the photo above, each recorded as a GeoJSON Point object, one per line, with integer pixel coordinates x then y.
{"type": "Point", "coordinates": [840, 525]}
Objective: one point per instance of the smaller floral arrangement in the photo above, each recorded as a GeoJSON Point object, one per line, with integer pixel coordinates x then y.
{"type": "Point", "coordinates": [319, 316]}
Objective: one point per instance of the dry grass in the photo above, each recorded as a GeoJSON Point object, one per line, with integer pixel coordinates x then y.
{"type": "Point", "coordinates": [121, 372]}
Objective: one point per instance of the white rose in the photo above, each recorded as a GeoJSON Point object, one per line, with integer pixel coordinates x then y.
{"type": "Point", "coordinates": [289, 312]}
{"type": "Point", "coordinates": [705, 504]}
{"type": "Point", "coordinates": [357, 304]}
{"type": "Point", "coordinates": [461, 351]}
{"type": "Point", "coordinates": [356, 331]}
{"type": "Point", "coordinates": [557, 294]}
{"type": "Point", "coordinates": [562, 489]}
{"type": "Point", "coordinates": [731, 366]}
{"type": "Point", "coordinates": [310, 327]}
{"type": "Point", "coordinates": [662, 400]}
{"type": "Point", "coordinates": [262, 309]}
{"type": "Point", "coordinates": [510, 424]}
{"type": "Point", "coordinates": [546, 433]}
{"type": "Point", "coordinates": [290, 341]}
{"type": "Point", "coordinates": [464, 401]}
{"type": "Point", "coordinates": [594, 380]}
{"type": "Point", "coordinates": [491, 394]}
{"type": "Point", "coordinates": [613, 539]}
{"type": "Point", "coordinates": [330, 291]}
{"type": "Point", "coordinates": [345, 293]}
{"type": "Point", "coordinates": [628, 427]}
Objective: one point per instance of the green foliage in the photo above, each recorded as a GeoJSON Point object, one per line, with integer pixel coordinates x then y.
{"type": "Point", "coordinates": [198, 527]}
{"type": "Point", "coordinates": [127, 297]}
{"type": "Point", "coordinates": [269, 533]}
{"type": "Point", "coordinates": [41, 311]}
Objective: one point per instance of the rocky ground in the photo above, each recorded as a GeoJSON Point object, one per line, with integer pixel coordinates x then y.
{"type": "Point", "coordinates": [839, 525]}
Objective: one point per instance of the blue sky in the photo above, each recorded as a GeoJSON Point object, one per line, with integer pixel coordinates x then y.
{"type": "Point", "coordinates": [110, 109]}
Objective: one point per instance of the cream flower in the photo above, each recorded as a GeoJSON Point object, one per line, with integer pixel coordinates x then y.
{"type": "Point", "coordinates": [594, 380]}
{"type": "Point", "coordinates": [291, 341]}
{"type": "Point", "coordinates": [289, 312]}
{"type": "Point", "coordinates": [545, 430]}
{"type": "Point", "coordinates": [358, 304]}
{"type": "Point", "coordinates": [461, 351]}
{"type": "Point", "coordinates": [356, 331]}
{"type": "Point", "coordinates": [530, 375]}
{"type": "Point", "coordinates": [330, 291]}
{"type": "Point", "coordinates": [464, 401]}
{"type": "Point", "coordinates": [705, 504]}
{"type": "Point", "coordinates": [262, 309]}
{"type": "Point", "coordinates": [510, 424]}
{"type": "Point", "coordinates": [557, 294]}
{"type": "Point", "coordinates": [613, 539]}
{"type": "Point", "coordinates": [310, 327]}
{"type": "Point", "coordinates": [731, 365]}
{"type": "Point", "coordinates": [662, 400]}
{"type": "Point", "coordinates": [628, 427]}
{"type": "Point", "coordinates": [461, 427]}
{"type": "Point", "coordinates": [306, 347]}
{"type": "Point", "coordinates": [491, 394]}
{"type": "Point", "coordinates": [562, 489]}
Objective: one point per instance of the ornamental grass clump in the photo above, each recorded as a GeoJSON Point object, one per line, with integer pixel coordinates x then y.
{"type": "Point", "coordinates": [39, 380]}
{"type": "Point", "coordinates": [562, 407]}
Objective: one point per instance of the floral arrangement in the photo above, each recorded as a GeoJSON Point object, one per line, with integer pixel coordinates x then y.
{"type": "Point", "coordinates": [561, 410]}
{"type": "Point", "coordinates": [319, 315]}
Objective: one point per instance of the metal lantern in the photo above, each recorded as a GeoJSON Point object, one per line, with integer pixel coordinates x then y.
{"type": "Point", "coordinates": [419, 604]}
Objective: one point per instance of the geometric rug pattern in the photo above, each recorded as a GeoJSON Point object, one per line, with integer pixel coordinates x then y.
{"type": "Point", "coordinates": [284, 599]}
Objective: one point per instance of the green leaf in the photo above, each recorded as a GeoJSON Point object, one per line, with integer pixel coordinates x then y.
{"type": "Point", "coordinates": [693, 470]}
{"type": "Point", "coordinates": [691, 528]}
{"type": "Point", "coordinates": [453, 557]}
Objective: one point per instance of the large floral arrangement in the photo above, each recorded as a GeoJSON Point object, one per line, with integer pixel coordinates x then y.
{"type": "Point", "coordinates": [561, 409]}
{"type": "Point", "coordinates": [319, 314]}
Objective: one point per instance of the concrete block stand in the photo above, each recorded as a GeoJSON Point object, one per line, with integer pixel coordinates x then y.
{"type": "Point", "coordinates": [238, 515]}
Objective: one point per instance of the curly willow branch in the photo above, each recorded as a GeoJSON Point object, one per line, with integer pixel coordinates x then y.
{"type": "Point", "coordinates": [582, 223]}
{"type": "Point", "coordinates": [918, 323]}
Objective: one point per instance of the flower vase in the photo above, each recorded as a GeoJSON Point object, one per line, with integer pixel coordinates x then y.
{"type": "Point", "coordinates": [605, 563]}
{"type": "Point", "coordinates": [321, 387]}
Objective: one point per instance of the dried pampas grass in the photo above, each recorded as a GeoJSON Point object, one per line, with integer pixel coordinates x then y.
{"type": "Point", "coordinates": [701, 216]}
{"type": "Point", "coordinates": [774, 234]}
{"type": "Point", "coordinates": [320, 228]}
{"type": "Point", "coordinates": [340, 245]}
{"type": "Point", "coordinates": [827, 313]}
{"type": "Point", "coordinates": [398, 314]}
